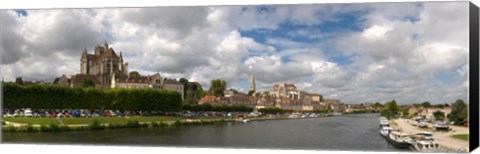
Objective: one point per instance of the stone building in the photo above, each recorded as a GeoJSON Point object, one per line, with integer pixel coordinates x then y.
{"type": "Point", "coordinates": [103, 63]}
{"type": "Point", "coordinates": [107, 70]}
{"type": "Point", "coordinates": [284, 90]}
{"type": "Point", "coordinates": [151, 81]}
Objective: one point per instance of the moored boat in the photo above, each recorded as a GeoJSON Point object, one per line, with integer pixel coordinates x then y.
{"type": "Point", "coordinates": [423, 136]}
{"type": "Point", "coordinates": [384, 123]}
{"type": "Point", "coordinates": [426, 146]}
{"type": "Point", "coordinates": [385, 131]}
{"type": "Point", "coordinates": [399, 139]}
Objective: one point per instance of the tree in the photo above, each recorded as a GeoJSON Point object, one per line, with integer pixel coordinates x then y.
{"type": "Point", "coordinates": [56, 80]}
{"type": "Point", "coordinates": [426, 104]}
{"type": "Point", "coordinates": [446, 105]}
{"type": "Point", "coordinates": [459, 111]}
{"type": "Point", "coordinates": [217, 87]}
{"type": "Point", "coordinates": [377, 105]}
{"type": "Point", "coordinates": [440, 106]}
{"type": "Point", "coordinates": [250, 93]}
{"type": "Point", "coordinates": [439, 115]}
{"type": "Point", "coordinates": [88, 83]}
{"type": "Point", "coordinates": [185, 85]}
{"type": "Point", "coordinates": [19, 81]}
{"type": "Point", "coordinates": [133, 74]}
{"type": "Point", "coordinates": [390, 110]}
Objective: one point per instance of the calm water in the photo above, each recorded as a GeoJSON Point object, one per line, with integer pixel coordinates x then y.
{"type": "Point", "coordinates": [348, 132]}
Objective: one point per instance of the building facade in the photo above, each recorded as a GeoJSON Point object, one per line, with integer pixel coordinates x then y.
{"type": "Point", "coordinates": [106, 69]}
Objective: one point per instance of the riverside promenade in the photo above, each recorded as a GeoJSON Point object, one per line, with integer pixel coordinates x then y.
{"type": "Point", "coordinates": [443, 138]}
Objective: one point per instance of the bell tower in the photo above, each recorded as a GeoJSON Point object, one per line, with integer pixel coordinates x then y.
{"type": "Point", "coordinates": [252, 81]}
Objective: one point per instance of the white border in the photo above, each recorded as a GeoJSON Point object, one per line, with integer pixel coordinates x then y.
{"type": "Point", "coordinates": [83, 149]}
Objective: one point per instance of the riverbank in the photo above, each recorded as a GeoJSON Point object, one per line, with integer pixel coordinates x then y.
{"type": "Point", "coordinates": [97, 123]}
{"type": "Point", "coordinates": [443, 138]}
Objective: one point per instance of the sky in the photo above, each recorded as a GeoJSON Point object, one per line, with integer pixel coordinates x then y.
{"type": "Point", "coordinates": [364, 52]}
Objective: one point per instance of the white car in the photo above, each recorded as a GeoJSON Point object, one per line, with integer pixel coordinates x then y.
{"type": "Point", "coordinates": [28, 113]}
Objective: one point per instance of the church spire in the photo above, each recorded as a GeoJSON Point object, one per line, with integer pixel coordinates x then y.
{"type": "Point", "coordinates": [252, 81]}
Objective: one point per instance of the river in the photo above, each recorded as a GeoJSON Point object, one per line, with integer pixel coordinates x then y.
{"type": "Point", "coordinates": [346, 132]}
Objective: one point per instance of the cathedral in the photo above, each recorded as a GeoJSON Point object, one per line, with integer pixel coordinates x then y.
{"type": "Point", "coordinates": [106, 69]}
{"type": "Point", "coordinates": [103, 64]}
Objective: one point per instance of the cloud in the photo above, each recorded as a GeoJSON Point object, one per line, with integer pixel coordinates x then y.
{"type": "Point", "coordinates": [394, 50]}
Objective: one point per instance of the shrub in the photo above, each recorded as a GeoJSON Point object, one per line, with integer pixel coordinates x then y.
{"type": "Point", "coordinates": [95, 125]}
{"type": "Point", "coordinates": [132, 124]}
{"type": "Point", "coordinates": [55, 128]}
{"type": "Point", "coordinates": [177, 123]}
{"type": "Point", "coordinates": [154, 124]}
{"type": "Point", "coordinates": [44, 128]}
{"type": "Point", "coordinates": [9, 129]}
{"type": "Point", "coordinates": [30, 128]}
{"type": "Point", "coordinates": [162, 124]}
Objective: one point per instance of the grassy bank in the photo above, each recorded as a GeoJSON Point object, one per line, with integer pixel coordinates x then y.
{"type": "Point", "coordinates": [460, 136]}
{"type": "Point", "coordinates": [100, 123]}
{"type": "Point", "coordinates": [89, 120]}
{"type": "Point", "coordinates": [96, 125]}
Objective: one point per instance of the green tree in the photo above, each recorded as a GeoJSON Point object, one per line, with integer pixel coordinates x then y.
{"type": "Point", "coordinates": [390, 110]}
{"type": "Point", "coordinates": [19, 81]}
{"type": "Point", "coordinates": [185, 86]}
{"type": "Point", "coordinates": [377, 105]}
{"type": "Point", "coordinates": [250, 93]}
{"type": "Point", "coordinates": [426, 104]}
{"type": "Point", "coordinates": [88, 83]}
{"type": "Point", "coordinates": [55, 81]}
{"type": "Point", "coordinates": [446, 105]}
{"type": "Point", "coordinates": [217, 87]}
{"type": "Point", "coordinates": [133, 74]}
{"type": "Point", "coordinates": [459, 112]}
{"type": "Point", "coordinates": [439, 115]}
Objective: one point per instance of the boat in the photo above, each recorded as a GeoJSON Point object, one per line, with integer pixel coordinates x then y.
{"type": "Point", "coordinates": [242, 120]}
{"type": "Point", "coordinates": [337, 113]}
{"type": "Point", "coordinates": [424, 136]}
{"type": "Point", "coordinates": [400, 139]}
{"type": "Point", "coordinates": [426, 146]}
{"type": "Point", "coordinates": [384, 123]}
{"type": "Point", "coordinates": [385, 131]}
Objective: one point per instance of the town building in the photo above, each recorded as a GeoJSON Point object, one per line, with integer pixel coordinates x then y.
{"type": "Point", "coordinates": [106, 69]}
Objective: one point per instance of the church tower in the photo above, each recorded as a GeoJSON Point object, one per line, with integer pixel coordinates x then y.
{"type": "Point", "coordinates": [252, 81]}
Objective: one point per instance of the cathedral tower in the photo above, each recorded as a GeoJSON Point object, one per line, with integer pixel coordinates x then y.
{"type": "Point", "coordinates": [252, 81]}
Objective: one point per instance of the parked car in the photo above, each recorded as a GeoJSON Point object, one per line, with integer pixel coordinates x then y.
{"type": "Point", "coordinates": [54, 115]}
{"type": "Point", "coordinates": [75, 113]}
{"type": "Point", "coordinates": [8, 114]}
{"type": "Point", "coordinates": [465, 124]}
{"type": "Point", "coordinates": [28, 113]}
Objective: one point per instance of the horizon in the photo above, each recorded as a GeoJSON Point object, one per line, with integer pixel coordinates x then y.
{"type": "Point", "coordinates": [374, 52]}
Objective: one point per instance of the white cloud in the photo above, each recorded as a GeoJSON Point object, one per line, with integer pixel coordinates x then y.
{"type": "Point", "coordinates": [396, 54]}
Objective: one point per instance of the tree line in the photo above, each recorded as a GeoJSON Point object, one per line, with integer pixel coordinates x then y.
{"type": "Point", "coordinates": [209, 107]}
{"type": "Point", "coordinates": [57, 97]}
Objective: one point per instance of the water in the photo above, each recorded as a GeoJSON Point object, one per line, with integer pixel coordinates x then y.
{"type": "Point", "coordinates": [347, 132]}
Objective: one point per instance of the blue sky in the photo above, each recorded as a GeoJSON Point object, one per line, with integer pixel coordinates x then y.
{"type": "Point", "coordinates": [357, 53]}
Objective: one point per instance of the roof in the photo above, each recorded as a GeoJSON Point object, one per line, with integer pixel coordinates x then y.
{"type": "Point", "coordinates": [208, 98]}
{"type": "Point", "coordinates": [78, 79]}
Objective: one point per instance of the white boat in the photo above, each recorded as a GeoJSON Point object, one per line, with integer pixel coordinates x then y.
{"type": "Point", "coordinates": [384, 123]}
{"type": "Point", "coordinates": [423, 136]}
{"type": "Point", "coordinates": [385, 131]}
{"type": "Point", "coordinates": [400, 139]}
{"type": "Point", "coordinates": [426, 146]}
